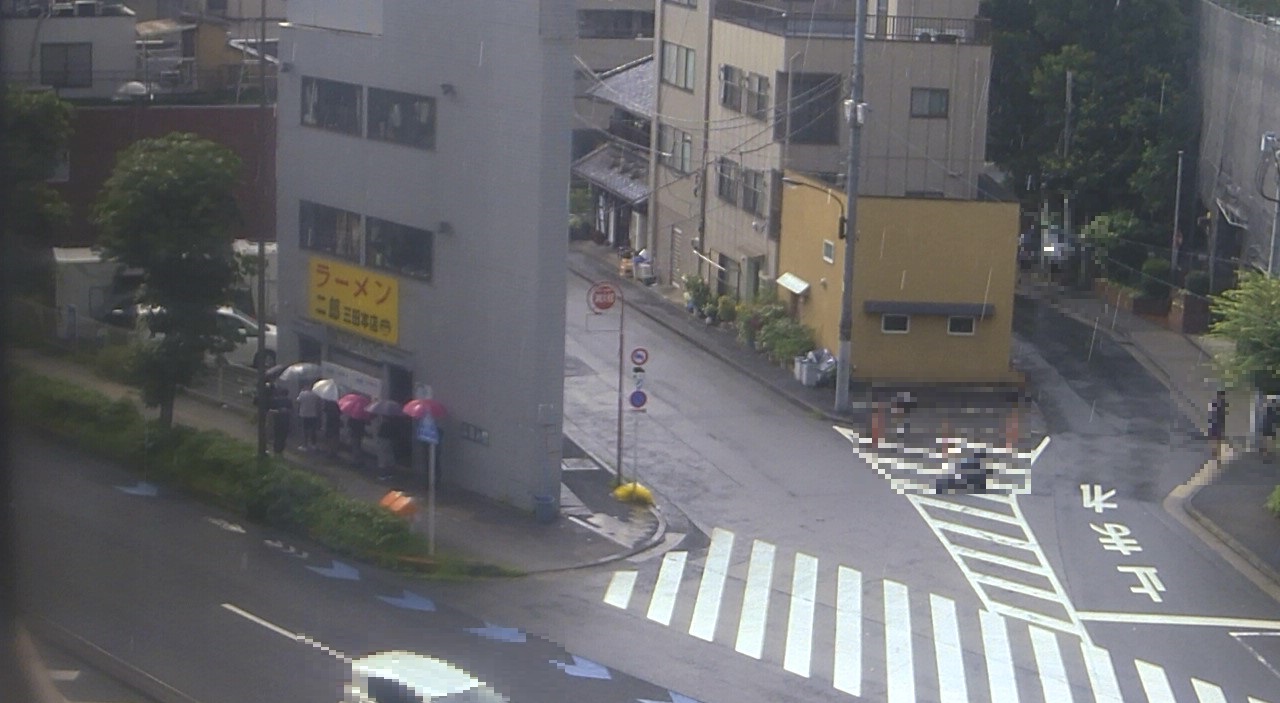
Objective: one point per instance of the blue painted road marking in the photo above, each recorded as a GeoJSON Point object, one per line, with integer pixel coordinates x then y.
{"type": "Point", "coordinates": [498, 633]}
{"type": "Point", "coordinates": [410, 601]}
{"type": "Point", "coordinates": [142, 488]}
{"type": "Point", "coordinates": [339, 570]}
{"type": "Point", "coordinates": [675, 698]}
{"type": "Point", "coordinates": [583, 668]}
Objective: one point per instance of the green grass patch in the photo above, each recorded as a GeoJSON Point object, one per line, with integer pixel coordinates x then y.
{"type": "Point", "coordinates": [1273, 502]}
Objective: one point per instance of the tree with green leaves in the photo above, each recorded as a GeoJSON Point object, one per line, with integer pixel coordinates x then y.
{"type": "Point", "coordinates": [35, 128]}
{"type": "Point", "coordinates": [168, 209]}
{"type": "Point", "coordinates": [1249, 316]}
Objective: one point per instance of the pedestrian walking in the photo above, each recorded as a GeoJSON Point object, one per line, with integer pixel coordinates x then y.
{"type": "Point", "coordinates": [309, 410]}
{"type": "Point", "coordinates": [281, 419]}
{"type": "Point", "coordinates": [386, 433]}
{"type": "Point", "coordinates": [1270, 418]}
{"type": "Point", "coordinates": [355, 433]}
{"type": "Point", "coordinates": [332, 417]}
{"type": "Point", "coordinates": [1218, 422]}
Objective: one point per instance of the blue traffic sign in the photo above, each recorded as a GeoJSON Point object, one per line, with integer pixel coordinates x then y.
{"type": "Point", "coordinates": [428, 431]}
{"type": "Point", "coordinates": [638, 399]}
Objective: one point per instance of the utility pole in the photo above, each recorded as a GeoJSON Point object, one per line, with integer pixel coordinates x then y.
{"type": "Point", "coordinates": [1066, 154]}
{"type": "Point", "coordinates": [261, 307]}
{"type": "Point", "coordinates": [855, 116]}
{"type": "Point", "coordinates": [1177, 212]}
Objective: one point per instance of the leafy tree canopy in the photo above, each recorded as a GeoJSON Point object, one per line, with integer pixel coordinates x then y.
{"type": "Point", "coordinates": [1250, 317]}
{"type": "Point", "coordinates": [35, 133]}
{"type": "Point", "coordinates": [168, 209]}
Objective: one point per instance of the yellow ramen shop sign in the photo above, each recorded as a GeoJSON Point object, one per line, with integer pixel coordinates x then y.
{"type": "Point", "coordinates": [354, 299]}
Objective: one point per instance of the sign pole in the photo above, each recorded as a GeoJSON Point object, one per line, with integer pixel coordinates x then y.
{"type": "Point", "coordinates": [431, 499]}
{"type": "Point", "coordinates": [622, 357]}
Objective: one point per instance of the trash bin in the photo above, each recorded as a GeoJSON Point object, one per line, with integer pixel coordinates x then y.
{"type": "Point", "coordinates": [544, 510]}
{"type": "Point", "coordinates": [806, 371]}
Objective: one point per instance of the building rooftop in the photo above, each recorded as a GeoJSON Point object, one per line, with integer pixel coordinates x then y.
{"type": "Point", "coordinates": [618, 169]}
{"type": "Point", "coordinates": [629, 86]}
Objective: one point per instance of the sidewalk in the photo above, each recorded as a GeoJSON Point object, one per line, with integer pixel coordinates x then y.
{"type": "Point", "coordinates": [595, 528]}
{"type": "Point", "coordinates": [1227, 501]}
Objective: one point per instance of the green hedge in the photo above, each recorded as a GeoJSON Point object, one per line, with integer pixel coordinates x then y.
{"type": "Point", "coordinates": [226, 471]}
{"type": "Point", "coordinates": [1273, 502]}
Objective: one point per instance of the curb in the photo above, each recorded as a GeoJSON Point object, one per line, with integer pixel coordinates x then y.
{"type": "Point", "coordinates": [1227, 540]}
{"type": "Point", "coordinates": [113, 666]}
{"type": "Point", "coordinates": [32, 669]}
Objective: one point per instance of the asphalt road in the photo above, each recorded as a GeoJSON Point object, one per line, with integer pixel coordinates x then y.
{"type": "Point", "coordinates": [221, 611]}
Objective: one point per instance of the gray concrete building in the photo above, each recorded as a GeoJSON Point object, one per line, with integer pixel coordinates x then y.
{"type": "Point", "coordinates": [422, 163]}
{"type": "Point", "coordinates": [748, 89]}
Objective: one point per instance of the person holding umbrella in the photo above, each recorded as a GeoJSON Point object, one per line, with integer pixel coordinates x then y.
{"type": "Point", "coordinates": [352, 405]}
{"type": "Point", "coordinates": [309, 411]}
{"type": "Point", "coordinates": [386, 411]}
{"type": "Point", "coordinates": [331, 414]}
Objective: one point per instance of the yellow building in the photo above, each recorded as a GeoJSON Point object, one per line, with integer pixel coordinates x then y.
{"type": "Point", "coordinates": [933, 282]}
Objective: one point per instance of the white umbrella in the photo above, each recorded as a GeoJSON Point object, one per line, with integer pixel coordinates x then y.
{"type": "Point", "coordinates": [327, 389]}
{"type": "Point", "coordinates": [300, 370]}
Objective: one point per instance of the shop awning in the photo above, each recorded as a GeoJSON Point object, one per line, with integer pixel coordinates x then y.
{"type": "Point", "coordinates": [793, 283]}
{"type": "Point", "coordinates": [1232, 213]}
{"type": "Point", "coordinates": [946, 309]}
{"type": "Point", "coordinates": [619, 170]}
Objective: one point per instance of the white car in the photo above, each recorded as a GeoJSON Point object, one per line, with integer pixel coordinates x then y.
{"type": "Point", "coordinates": [236, 324]}
{"type": "Point", "coordinates": [406, 677]}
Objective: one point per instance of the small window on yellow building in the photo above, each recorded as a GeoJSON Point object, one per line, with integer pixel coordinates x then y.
{"type": "Point", "coordinates": [961, 325]}
{"type": "Point", "coordinates": [828, 251]}
{"type": "Point", "coordinates": [895, 324]}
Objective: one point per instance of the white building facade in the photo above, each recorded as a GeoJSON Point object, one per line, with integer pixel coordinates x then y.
{"type": "Point", "coordinates": [423, 159]}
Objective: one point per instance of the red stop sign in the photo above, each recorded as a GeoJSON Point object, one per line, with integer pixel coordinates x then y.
{"type": "Point", "coordinates": [601, 297]}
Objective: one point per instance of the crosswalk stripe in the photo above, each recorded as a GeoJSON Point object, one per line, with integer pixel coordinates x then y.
{"type": "Point", "coordinates": [1016, 587]}
{"type": "Point", "coordinates": [620, 586]}
{"type": "Point", "coordinates": [995, 645]}
{"type": "Point", "coordinates": [984, 535]}
{"type": "Point", "coordinates": [663, 601]}
{"type": "Point", "coordinates": [804, 590]}
{"type": "Point", "coordinates": [1251, 699]}
{"type": "Point", "coordinates": [1000, 560]}
{"type": "Point", "coordinates": [1032, 616]}
{"type": "Point", "coordinates": [847, 674]}
{"type": "Point", "coordinates": [947, 652]}
{"type": "Point", "coordinates": [1102, 675]}
{"type": "Point", "coordinates": [1154, 682]}
{"type": "Point", "coordinates": [899, 667]}
{"type": "Point", "coordinates": [1207, 692]}
{"type": "Point", "coordinates": [706, 609]}
{"type": "Point", "coordinates": [967, 510]}
{"type": "Point", "coordinates": [755, 602]}
{"type": "Point", "coordinates": [1053, 675]}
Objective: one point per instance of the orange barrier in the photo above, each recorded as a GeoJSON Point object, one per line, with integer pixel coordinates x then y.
{"type": "Point", "coordinates": [399, 503]}
{"type": "Point", "coordinates": [1011, 430]}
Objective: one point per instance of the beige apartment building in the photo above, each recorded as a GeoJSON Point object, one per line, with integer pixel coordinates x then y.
{"type": "Point", "coordinates": [748, 89]}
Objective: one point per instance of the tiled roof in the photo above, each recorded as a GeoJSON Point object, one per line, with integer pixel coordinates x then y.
{"type": "Point", "coordinates": [629, 86]}
{"type": "Point", "coordinates": [619, 170]}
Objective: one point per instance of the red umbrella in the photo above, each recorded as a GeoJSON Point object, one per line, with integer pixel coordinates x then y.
{"type": "Point", "coordinates": [353, 405]}
{"type": "Point", "coordinates": [419, 408]}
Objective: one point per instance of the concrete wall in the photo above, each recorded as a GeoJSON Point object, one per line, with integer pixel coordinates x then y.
{"type": "Point", "coordinates": [1239, 77]}
{"type": "Point", "coordinates": [487, 332]}
{"type": "Point", "coordinates": [114, 58]}
{"type": "Point", "coordinates": [908, 250]}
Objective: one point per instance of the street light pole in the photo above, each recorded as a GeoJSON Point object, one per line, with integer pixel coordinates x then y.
{"type": "Point", "coordinates": [260, 308]}
{"type": "Point", "coordinates": [845, 351]}
{"type": "Point", "coordinates": [1177, 212]}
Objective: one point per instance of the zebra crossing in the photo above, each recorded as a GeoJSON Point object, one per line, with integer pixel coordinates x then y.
{"type": "Point", "coordinates": [830, 622]}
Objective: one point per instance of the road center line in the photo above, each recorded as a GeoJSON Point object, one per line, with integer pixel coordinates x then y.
{"type": "Point", "coordinates": [1161, 619]}
{"type": "Point", "coordinates": [706, 609]}
{"type": "Point", "coordinates": [295, 636]}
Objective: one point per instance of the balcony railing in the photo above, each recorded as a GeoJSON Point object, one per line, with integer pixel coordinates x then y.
{"type": "Point", "coordinates": [825, 25]}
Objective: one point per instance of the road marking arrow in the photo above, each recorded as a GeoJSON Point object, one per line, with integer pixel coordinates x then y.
{"type": "Point", "coordinates": [228, 526]}
{"type": "Point", "coordinates": [141, 488]}
{"type": "Point", "coordinates": [583, 668]}
{"type": "Point", "coordinates": [675, 698]}
{"type": "Point", "coordinates": [339, 570]}
{"type": "Point", "coordinates": [287, 549]}
{"type": "Point", "coordinates": [498, 633]}
{"type": "Point", "coordinates": [410, 601]}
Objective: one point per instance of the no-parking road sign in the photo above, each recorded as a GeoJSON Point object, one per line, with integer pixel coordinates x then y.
{"type": "Point", "coordinates": [639, 356]}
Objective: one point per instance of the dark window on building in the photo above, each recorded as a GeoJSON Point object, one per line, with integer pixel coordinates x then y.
{"type": "Point", "coordinates": [676, 148]}
{"type": "Point", "coordinates": [331, 105]}
{"type": "Point", "coordinates": [686, 3]}
{"type": "Point", "coordinates": [403, 118]}
{"type": "Point", "coordinates": [679, 65]}
{"type": "Point", "coordinates": [753, 200]}
{"type": "Point", "coordinates": [929, 102]}
{"type": "Point", "coordinates": [757, 96]}
{"type": "Point", "coordinates": [66, 65]}
{"type": "Point", "coordinates": [216, 6]}
{"type": "Point", "coordinates": [731, 79]}
{"type": "Point", "coordinates": [330, 230]}
{"type": "Point", "coordinates": [399, 248]}
{"type": "Point", "coordinates": [961, 325]}
{"type": "Point", "coordinates": [815, 109]}
{"type": "Point", "coordinates": [727, 180]}
{"type": "Point", "coordinates": [615, 24]}
{"type": "Point", "coordinates": [895, 324]}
